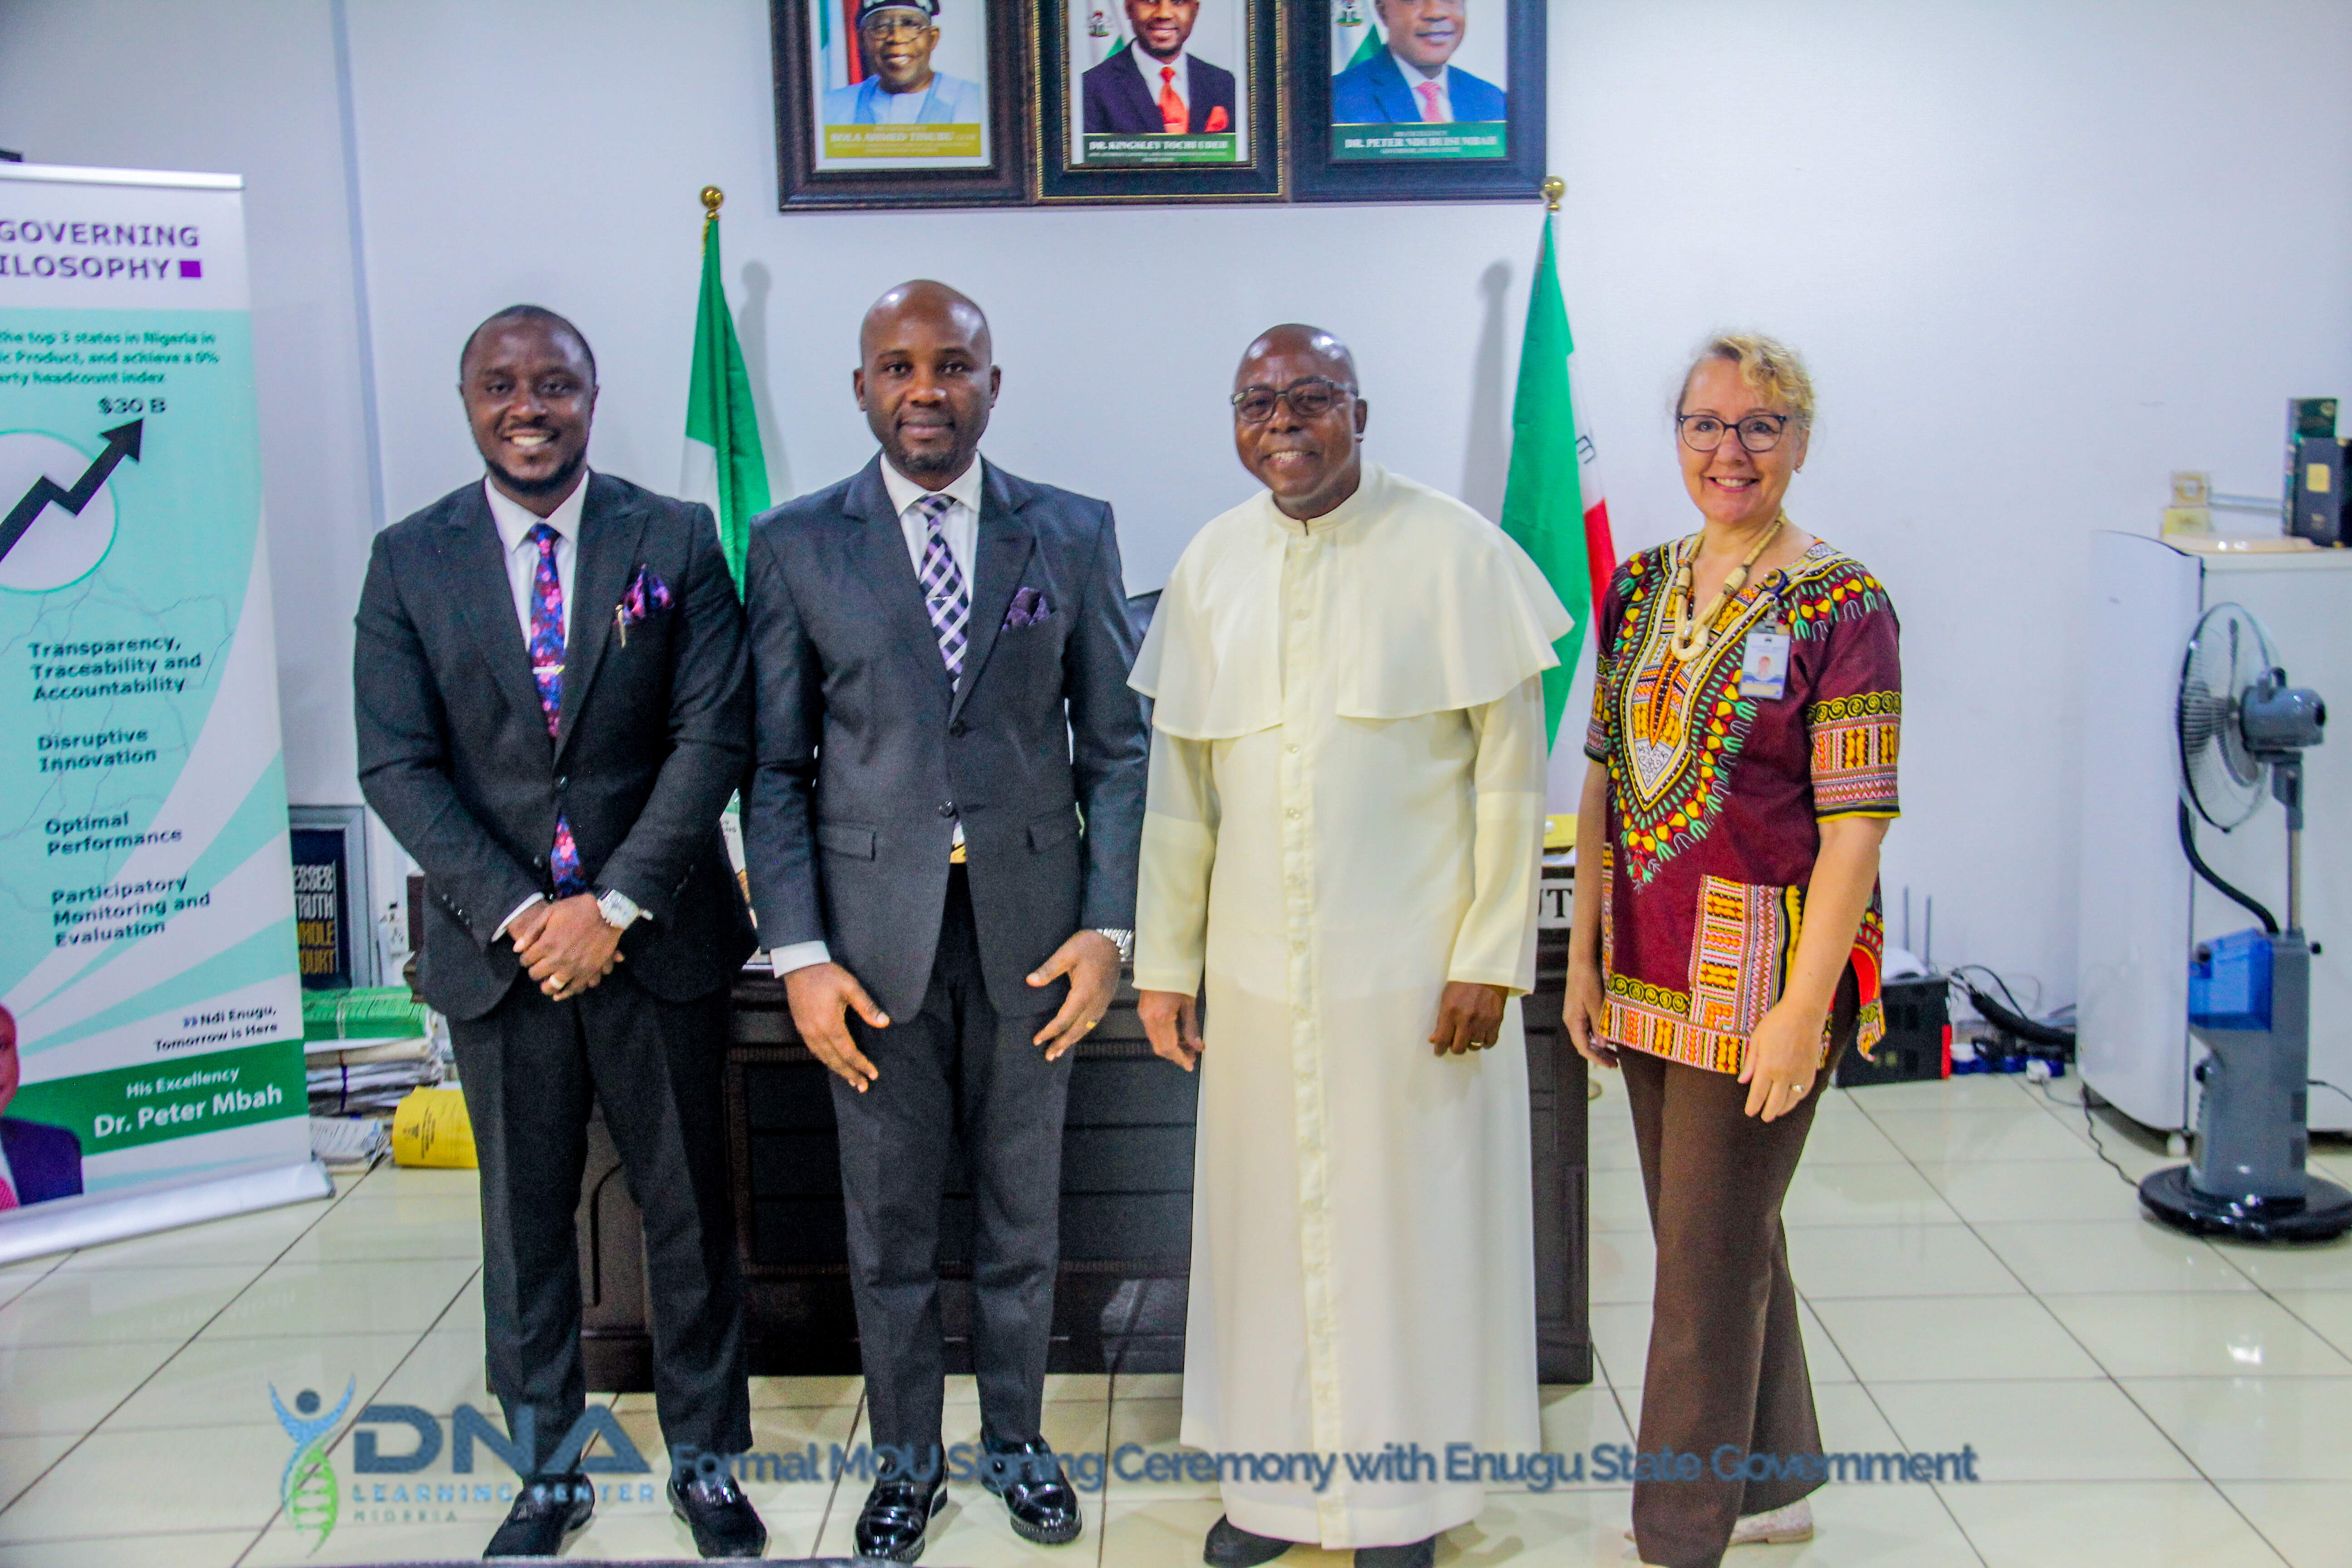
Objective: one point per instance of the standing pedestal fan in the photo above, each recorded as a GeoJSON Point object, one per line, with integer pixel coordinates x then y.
{"type": "Point", "coordinates": [2250, 991]}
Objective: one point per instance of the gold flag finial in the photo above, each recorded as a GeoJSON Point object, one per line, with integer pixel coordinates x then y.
{"type": "Point", "coordinates": [711, 196]}
{"type": "Point", "coordinates": [1554, 187]}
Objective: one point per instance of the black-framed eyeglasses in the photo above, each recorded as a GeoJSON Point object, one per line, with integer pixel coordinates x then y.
{"type": "Point", "coordinates": [1757, 431]}
{"type": "Point", "coordinates": [1310, 398]}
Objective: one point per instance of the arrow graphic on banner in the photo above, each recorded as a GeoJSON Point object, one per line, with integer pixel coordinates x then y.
{"type": "Point", "coordinates": [122, 442]}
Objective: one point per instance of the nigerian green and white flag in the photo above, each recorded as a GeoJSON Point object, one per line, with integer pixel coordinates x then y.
{"type": "Point", "coordinates": [725, 468]}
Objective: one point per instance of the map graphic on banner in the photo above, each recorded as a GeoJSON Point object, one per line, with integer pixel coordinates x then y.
{"type": "Point", "coordinates": [148, 971]}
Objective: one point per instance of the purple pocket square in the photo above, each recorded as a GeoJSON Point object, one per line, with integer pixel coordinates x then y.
{"type": "Point", "coordinates": [1029, 607]}
{"type": "Point", "coordinates": [649, 596]}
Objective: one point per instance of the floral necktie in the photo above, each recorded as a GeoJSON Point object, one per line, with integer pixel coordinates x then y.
{"type": "Point", "coordinates": [547, 669]}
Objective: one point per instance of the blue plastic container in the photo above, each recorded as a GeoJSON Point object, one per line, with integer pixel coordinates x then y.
{"type": "Point", "coordinates": [2229, 983]}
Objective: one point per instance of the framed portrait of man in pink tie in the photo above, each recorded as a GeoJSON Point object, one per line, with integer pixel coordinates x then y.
{"type": "Point", "coordinates": [1404, 98]}
{"type": "Point", "coordinates": [1418, 79]}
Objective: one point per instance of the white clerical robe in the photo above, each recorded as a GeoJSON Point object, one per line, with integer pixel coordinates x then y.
{"type": "Point", "coordinates": [1346, 811]}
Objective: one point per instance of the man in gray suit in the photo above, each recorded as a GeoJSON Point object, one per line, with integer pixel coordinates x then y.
{"type": "Point", "coordinates": [941, 835]}
{"type": "Point", "coordinates": [552, 709]}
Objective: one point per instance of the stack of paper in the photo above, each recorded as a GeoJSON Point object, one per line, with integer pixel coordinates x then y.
{"type": "Point", "coordinates": [366, 1049]}
{"type": "Point", "coordinates": [347, 1140]}
{"type": "Point", "coordinates": [364, 1078]}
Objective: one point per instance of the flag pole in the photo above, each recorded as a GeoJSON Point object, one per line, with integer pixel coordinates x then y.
{"type": "Point", "coordinates": [1554, 187]}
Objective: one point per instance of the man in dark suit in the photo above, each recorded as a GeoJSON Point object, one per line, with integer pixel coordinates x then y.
{"type": "Point", "coordinates": [554, 707]}
{"type": "Point", "coordinates": [941, 837]}
{"type": "Point", "coordinates": [1155, 87]}
{"type": "Point", "coordinates": [1413, 81]}
{"type": "Point", "coordinates": [38, 1161]}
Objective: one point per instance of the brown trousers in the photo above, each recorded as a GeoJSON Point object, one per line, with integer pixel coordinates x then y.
{"type": "Point", "coordinates": [1726, 1364]}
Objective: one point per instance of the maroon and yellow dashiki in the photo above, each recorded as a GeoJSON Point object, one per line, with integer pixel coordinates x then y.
{"type": "Point", "coordinates": [1716, 798]}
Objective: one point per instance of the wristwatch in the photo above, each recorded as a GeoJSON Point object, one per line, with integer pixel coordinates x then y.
{"type": "Point", "coordinates": [619, 909]}
{"type": "Point", "coordinates": [1122, 940]}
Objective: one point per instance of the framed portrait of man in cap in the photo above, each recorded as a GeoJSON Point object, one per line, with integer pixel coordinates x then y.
{"type": "Point", "coordinates": [897, 103]}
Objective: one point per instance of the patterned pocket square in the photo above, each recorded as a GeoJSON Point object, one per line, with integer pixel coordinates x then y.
{"type": "Point", "coordinates": [649, 596]}
{"type": "Point", "coordinates": [1029, 607]}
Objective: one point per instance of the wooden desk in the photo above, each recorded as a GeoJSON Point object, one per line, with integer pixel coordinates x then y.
{"type": "Point", "coordinates": [1127, 1207]}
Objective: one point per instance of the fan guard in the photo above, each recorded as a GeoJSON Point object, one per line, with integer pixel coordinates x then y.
{"type": "Point", "coordinates": [2227, 654]}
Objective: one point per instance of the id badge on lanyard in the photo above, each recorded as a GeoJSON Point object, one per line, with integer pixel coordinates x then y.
{"type": "Point", "coordinates": [1764, 662]}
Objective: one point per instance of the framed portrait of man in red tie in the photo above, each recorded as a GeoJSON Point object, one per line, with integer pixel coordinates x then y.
{"type": "Point", "coordinates": [1165, 99]}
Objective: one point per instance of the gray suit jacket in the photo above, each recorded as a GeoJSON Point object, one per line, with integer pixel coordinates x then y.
{"type": "Point", "coordinates": [866, 756]}
{"type": "Point", "coordinates": [652, 737]}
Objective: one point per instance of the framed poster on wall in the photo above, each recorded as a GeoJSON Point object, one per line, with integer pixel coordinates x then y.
{"type": "Point", "coordinates": [334, 940]}
{"type": "Point", "coordinates": [1429, 99]}
{"type": "Point", "coordinates": [900, 103]}
{"type": "Point", "coordinates": [1159, 100]}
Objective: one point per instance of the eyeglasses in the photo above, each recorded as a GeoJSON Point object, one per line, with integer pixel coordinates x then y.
{"type": "Point", "coordinates": [1310, 398]}
{"type": "Point", "coordinates": [879, 27]}
{"type": "Point", "coordinates": [1757, 431]}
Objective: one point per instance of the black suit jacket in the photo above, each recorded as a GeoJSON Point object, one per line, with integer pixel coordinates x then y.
{"type": "Point", "coordinates": [652, 737]}
{"type": "Point", "coordinates": [1118, 103]}
{"type": "Point", "coordinates": [867, 757]}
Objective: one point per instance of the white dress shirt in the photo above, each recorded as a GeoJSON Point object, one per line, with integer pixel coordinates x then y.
{"type": "Point", "coordinates": [1414, 75]}
{"type": "Point", "coordinates": [960, 526]}
{"type": "Point", "coordinates": [9, 1178]}
{"type": "Point", "coordinates": [514, 522]}
{"type": "Point", "coordinates": [1152, 65]}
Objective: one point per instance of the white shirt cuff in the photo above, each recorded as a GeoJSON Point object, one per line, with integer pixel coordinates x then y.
{"type": "Point", "coordinates": [530, 902]}
{"type": "Point", "coordinates": [799, 955]}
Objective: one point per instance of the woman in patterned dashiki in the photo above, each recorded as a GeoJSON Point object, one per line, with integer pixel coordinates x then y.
{"type": "Point", "coordinates": [1746, 715]}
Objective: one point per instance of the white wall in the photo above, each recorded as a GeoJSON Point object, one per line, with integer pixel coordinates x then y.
{"type": "Point", "coordinates": [2039, 255]}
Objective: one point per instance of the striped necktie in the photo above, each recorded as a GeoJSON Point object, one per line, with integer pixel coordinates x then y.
{"type": "Point", "coordinates": [944, 594]}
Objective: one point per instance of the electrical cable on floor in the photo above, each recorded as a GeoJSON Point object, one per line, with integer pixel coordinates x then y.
{"type": "Point", "coordinates": [2082, 1102]}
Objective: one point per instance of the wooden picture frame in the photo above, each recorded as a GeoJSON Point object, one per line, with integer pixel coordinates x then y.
{"type": "Point", "coordinates": [941, 159]}
{"type": "Point", "coordinates": [1388, 159]}
{"type": "Point", "coordinates": [1082, 151]}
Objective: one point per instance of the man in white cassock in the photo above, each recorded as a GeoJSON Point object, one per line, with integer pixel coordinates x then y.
{"type": "Point", "coordinates": [1342, 837]}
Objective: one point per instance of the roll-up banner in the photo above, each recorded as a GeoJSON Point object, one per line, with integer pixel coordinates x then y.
{"type": "Point", "coordinates": [148, 970]}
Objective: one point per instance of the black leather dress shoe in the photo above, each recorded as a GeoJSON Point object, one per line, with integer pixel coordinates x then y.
{"type": "Point", "coordinates": [1036, 1494]}
{"type": "Point", "coordinates": [546, 1512]}
{"type": "Point", "coordinates": [1413, 1555]}
{"type": "Point", "coordinates": [1230, 1546]}
{"type": "Point", "coordinates": [897, 1517]}
{"type": "Point", "coordinates": [723, 1522]}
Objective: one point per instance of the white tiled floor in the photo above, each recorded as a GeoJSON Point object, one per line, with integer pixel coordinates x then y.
{"type": "Point", "coordinates": [1972, 1274]}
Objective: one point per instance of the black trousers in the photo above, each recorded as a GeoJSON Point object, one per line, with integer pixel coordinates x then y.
{"type": "Point", "coordinates": [954, 1074]}
{"type": "Point", "coordinates": [529, 1068]}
